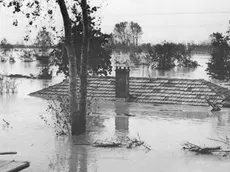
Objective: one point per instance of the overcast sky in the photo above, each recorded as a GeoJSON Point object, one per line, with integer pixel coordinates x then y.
{"type": "Point", "coordinates": [171, 20]}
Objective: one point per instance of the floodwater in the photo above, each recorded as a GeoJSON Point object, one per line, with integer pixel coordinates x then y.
{"type": "Point", "coordinates": [177, 72]}
{"type": "Point", "coordinates": [163, 128]}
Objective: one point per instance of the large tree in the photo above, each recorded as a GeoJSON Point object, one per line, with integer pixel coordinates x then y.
{"type": "Point", "coordinates": [35, 10]}
{"type": "Point", "coordinates": [99, 50]}
{"type": "Point", "coordinates": [127, 33]}
{"type": "Point", "coordinates": [84, 66]}
{"type": "Point", "coordinates": [219, 64]}
{"type": "Point", "coordinates": [120, 33]}
{"type": "Point", "coordinates": [135, 32]}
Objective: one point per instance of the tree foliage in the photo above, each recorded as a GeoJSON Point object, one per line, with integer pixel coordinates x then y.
{"type": "Point", "coordinates": [5, 46]}
{"type": "Point", "coordinates": [127, 33]}
{"type": "Point", "coordinates": [99, 49]}
{"type": "Point", "coordinates": [164, 55]}
{"type": "Point", "coordinates": [43, 39]}
{"type": "Point", "coordinates": [121, 33]}
{"type": "Point", "coordinates": [136, 32]}
{"type": "Point", "coordinates": [167, 53]}
{"type": "Point", "coordinates": [219, 64]}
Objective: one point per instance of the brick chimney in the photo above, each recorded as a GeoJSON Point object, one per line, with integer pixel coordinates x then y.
{"type": "Point", "coordinates": [122, 83]}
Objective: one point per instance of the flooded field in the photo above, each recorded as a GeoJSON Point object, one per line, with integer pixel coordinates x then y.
{"type": "Point", "coordinates": [177, 72]}
{"type": "Point", "coordinates": [163, 128]}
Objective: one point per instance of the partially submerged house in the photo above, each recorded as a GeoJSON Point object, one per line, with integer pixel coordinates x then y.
{"type": "Point", "coordinates": [195, 92]}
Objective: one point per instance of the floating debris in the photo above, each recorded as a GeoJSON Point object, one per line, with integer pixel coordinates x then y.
{"type": "Point", "coordinates": [205, 150]}
{"type": "Point", "coordinates": [7, 123]}
{"type": "Point", "coordinates": [107, 144]}
{"type": "Point", "coordinates": [129, 143]}
{"type": "Point", "coordinates": [225, 140]}
{"type": "Point", "coordinates": [7, 153]}
{"type": "Point", "coordinates": [136, 142]}
{"type": "Point", "coordinates": [214, 106]}
{"type": "Point", "coordinates": [128, 114]}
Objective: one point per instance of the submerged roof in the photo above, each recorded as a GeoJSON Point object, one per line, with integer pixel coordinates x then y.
{"type": "Point", "coordinates": [150, 90]}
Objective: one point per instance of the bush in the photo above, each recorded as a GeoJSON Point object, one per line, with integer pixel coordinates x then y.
{"type": "Point", "coordinates": [59, 110]}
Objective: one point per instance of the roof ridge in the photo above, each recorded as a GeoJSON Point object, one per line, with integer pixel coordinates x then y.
{"type": "Point", "coordinates": [207, 84]}
{"type": "Point", "coordinates": [148, 90]}
{"type": "Point", "coordinates": [212, 85]}
{"type": "Point", "coordinates": [51, 86]}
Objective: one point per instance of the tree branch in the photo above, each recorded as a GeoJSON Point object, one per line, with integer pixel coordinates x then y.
{"type": "Point", "coordinates": [66, 21]}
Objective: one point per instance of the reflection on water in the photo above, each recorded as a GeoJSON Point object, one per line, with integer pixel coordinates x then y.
{"type": "Point", "coordinates": [68, 157]}
{"type": "Point", "coordinates": [121, 121]}
{"type": "Point", "coordinates": [27, 64]}
{"type": "Point", "coordinates": [19, 67]}
{"type": "Point", "coordinates": [223, 119]}
{"type": "Point", "coordinates": [78, 158]}
{"type": "Point", "coordinates": [24, 68]}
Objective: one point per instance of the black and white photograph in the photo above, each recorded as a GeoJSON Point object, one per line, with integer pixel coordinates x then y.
{"type": "Point", "coordinates": [114, 85]}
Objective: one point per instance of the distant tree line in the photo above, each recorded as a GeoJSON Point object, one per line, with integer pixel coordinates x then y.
{"type": "Point", "coordinates": [201, 48]}
{"type": "Point", "coordinates": [19, 45]}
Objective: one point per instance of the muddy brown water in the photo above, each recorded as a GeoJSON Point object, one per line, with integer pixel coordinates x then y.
{"type": "Point", "coordinates": [163, 128]}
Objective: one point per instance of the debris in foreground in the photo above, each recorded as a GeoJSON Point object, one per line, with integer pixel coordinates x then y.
{"type": "Point", "coordinates": [205, 150]}
{"type": "Point", "coordinates": [7, 153]}
{"type": "Point", "coordinates": [129, 143]}
{"type": "Point", "coordinates": [137, 142]}
{"type": "Point", "coordinates": [13, 166]}
{"type": "Point", "coordinates": [194, 148]}
{"type": "Point", "coordinates": [134, 143]}
{"type": "Point", "coordinates": [128, 114]}
{"type": "Point", "coordinates": [107, 144]}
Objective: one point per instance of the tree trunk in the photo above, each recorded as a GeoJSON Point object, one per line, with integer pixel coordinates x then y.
{"type": "Point", "coordinates": [74, 113]}
{"type": "Point", "coordinates": [136, 40]}
{"type": "Point", "coordinates": [84, 65]}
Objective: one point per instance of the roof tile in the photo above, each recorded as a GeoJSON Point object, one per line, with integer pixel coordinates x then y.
{"type": "Point", "coordinates": [149, 90]}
